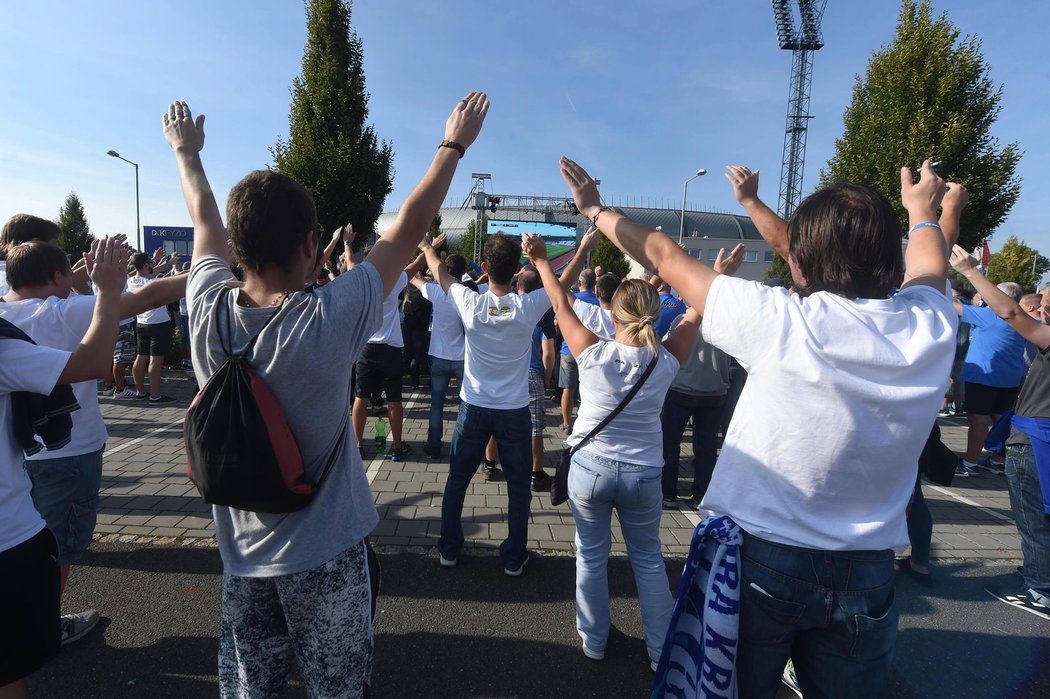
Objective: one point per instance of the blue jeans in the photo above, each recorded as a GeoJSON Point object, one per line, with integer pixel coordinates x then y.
{"type": "Point", "coordinates": [832, 612]}
{"type": "Point", "coordinates": [65, 493]}
{"type": "Point", "coordinates": [1033, 524]}
{"type": "Point", "coordinates": [597, 485]}
{"type": "Point", "coordinates": [920, 526]}
{"type": "Point", "coordinates": [441, 372]}
{"type": "Point", "coordinates": [513, 432]}
{"type": "Point", "coordinates": [706, 412]}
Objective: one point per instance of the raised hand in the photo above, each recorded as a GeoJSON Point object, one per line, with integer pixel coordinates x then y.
{"type": "Point", "coordinates": [439, 240]}
{"type": "Point", "coordinates": [107, 266]}
{"type": "Point", "coordinates": [729, 264]}
{"type": "Point", "coordinates": [464, 124]}
{"type": "Point", "coordinates": [922, 198]}
{"type": "Point", "coordinates": [584, 188]}
{"type": "Point", "coordinates": [533, 247]}
{"type": "Point", "coordinates": [590, 239]}
{"type": "Point", "coordinates": [955, 198]}
{"type": "Point", "coordinates": [180, 131]}
{"type": "Point", "coordinates": [745, 182]}
{"type": "Point", "coordinates": [962, 261]}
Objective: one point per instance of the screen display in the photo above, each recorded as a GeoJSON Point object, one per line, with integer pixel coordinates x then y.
{"type": "Point", "coordinates": [560, 237]}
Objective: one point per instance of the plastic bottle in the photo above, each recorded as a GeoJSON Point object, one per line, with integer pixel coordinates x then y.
{"type": "Point", "coordinates": [380, 436]}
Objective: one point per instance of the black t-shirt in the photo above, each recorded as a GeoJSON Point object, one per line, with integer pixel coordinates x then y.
{"type": "Point", "coordinates": [1034, 399]}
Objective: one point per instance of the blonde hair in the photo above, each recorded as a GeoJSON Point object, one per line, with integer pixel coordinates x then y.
{"type": "Point", "coordinates": [636, 307]}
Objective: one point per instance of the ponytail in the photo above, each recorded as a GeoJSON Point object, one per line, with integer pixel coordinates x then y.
{"type": "Point", "coordinates": [636, 307]}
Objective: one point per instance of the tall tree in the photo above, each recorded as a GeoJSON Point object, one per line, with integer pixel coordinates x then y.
{"type": "Point", "coordinates": [465, 245]}
{"type": "Point", "coordinates": [929, 95]}
{"type": "Point", "coordinates": [330, 147]}
{"type": "Point", "coordinates": [610, 258]}
{"type": "Point", "coordinates": [76, 234]}
{"type": "Point", "coordinates": [1016, 262]}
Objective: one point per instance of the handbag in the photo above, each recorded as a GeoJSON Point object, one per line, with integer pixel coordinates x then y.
{"type": "Point", "coordinates": [560, 482]}
{"type": "Point", "coordinates": [937, 462]}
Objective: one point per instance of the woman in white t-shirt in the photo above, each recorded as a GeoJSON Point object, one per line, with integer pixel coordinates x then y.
{"type": "Point", "coordinates": [620, 467]}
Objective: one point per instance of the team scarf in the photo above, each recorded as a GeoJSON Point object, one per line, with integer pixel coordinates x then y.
{"type": "Point", "coordinates": [700, 649]}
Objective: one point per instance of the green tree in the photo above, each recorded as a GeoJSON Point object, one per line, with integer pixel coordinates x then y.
{"type": "Point", "coordinates": [330, 147]}
{"type": "Point", "coordinates": [465, 245]}
{"type": "Point", "coordinates": [76, 234]}
{"type": "Point", "coordinates": [1016, 262]}
{"type": "Point", "coordinates": [779, 270]}
{"type": "Point", "coordinates": [929, 94]}
{"type": "Point", "coordinates": [610, 258]}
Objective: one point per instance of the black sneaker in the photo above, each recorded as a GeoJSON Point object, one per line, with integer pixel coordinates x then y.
{"type": "Point", "coordinates": [541, 482]}
{"type": "Point", "coordinates": [432, 452]}
{"type": "Point", "coordinates": [489, 469]}
{"type": "Point", "coordinates": [400, 453]}
{"type": "Point", "coordinates": [1020, 597]}
{"type": "Point", "coordinates": [154, 400]}
{"type": "Point", "coordinates": [670, 503]}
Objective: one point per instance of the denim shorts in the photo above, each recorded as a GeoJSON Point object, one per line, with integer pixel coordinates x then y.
{"type": "Point", "coordinates": [568, 372]}
{"type": "Point", "coordinates": [65, 493]}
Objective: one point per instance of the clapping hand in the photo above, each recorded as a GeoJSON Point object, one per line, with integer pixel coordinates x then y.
{"type": "Point", "coordinates": [181, 132]}
{"type": "Point", "coordinates": [728, 265]}
{"type": "Point", "coordinates": [589, 241]}
{"type": "Point", "coordinates": [583, 187]}
{"type": "Point", "coordinates": [464, 124]}
{"type": "Point", "coordinates": [533, 247]}
{"type": "Point", "coordinates": [962, 261]}
{"type": "Point", "coordinates": [107, 265]}
{"type": "Point", "coordinates": [745, 182]}
{"type": "Point", "coordinates": [922, 198]}
{"type": "Point", "coordinates": [955, 198]}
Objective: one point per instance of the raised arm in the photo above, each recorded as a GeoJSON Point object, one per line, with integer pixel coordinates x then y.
{"type": "Point", "coordinates": [437, 268]}
{"type": "Point", "coordinates": [186, 138]}
{"type": "Point", "coordinates": [576, 335]}
{"type": "Point", "coordinates": [413, 267]}
{"type": "Point", "coordinates": [390, 252]}
{"type": "Point", "coordinates": [107, 266]}
{"type": "Point", "coordinates": [652, 249]}
{"type": "Point", "coordinates": [159, 292]}
{"type": "Point", "coordinates": [771, 227]}
{"type": "Point", "coordinates": [1004, 306]}
{"type": "Point", "coordinates": [571, 273]}
{"type": "Point", "coordinates": [682, 338]}
{"type": "Point", "coordinates": [926, 260]}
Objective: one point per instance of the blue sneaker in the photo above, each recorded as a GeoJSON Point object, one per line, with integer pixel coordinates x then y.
{"type": "Point", "coordinates": [964, 468]}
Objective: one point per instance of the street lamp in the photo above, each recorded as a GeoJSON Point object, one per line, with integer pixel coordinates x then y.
{"type": "Point", "coordinates": [138, 223]}
{"type": "Point", "coordinates": [685, 190]}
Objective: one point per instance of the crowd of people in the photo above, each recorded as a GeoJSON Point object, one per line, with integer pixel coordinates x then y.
{"type": "Point", "coordinates": [845, 374]}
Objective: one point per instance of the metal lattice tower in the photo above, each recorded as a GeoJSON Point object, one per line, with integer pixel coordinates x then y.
{"type": "Point", "coordinates": [802, 41]}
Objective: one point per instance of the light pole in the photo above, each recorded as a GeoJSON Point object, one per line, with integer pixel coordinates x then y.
{"type": "Point", "coordinates": [685, 190]}
{"type": "Point", "coordinates": [138, 223]}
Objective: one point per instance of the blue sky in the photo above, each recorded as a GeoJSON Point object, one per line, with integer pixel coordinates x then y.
{"type": "Point", "coordinates": [641, 94]}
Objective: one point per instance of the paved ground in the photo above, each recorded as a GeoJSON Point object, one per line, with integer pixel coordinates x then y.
{"type": "Point", "coordinates": [145, 492]}
{"type": "Point", "coordinates": [470, 631]}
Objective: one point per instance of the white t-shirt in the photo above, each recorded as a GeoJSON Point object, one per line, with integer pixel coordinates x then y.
{"type": "Point", "coordinates": [840, 399]}
{"type": "Point", "coordinates": [446, 329]}
{"type": "Point", "coordinates": [154, 315]}
{"type": "Point", "coordinates": [498, 345]}
{"type": "Point", "coordinates": [389, 332]}
{"type": "Point", "coordinates": [4, 288]}
{"type": "Point", "coordinates": [23, 367]}
{"type": "Point", "coordinates": [608, 371]}
{"type": "Point", "coordinates": [61, 324]}
{"type": "Point", "coordinates": [596, 319]}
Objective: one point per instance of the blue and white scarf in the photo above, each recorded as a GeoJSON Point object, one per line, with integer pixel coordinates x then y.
{"type": "Point", "coordinates": [699, 655]}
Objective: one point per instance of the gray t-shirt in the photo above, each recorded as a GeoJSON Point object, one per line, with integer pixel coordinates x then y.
{"type": "Point", "coordinates": [305, 357]}
{"type": "Point", "coordinates": [1034, 399]}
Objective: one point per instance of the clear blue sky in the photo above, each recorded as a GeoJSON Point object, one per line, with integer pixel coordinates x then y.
{"type": "Point", "coordinates": [641, 94]}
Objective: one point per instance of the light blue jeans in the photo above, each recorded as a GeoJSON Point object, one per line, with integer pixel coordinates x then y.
{"type": "Point", "coordinates": [597, 485]}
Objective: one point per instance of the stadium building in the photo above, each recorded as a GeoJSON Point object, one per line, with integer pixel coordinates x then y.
{"type": "Point", "coordinates": [703, 235]}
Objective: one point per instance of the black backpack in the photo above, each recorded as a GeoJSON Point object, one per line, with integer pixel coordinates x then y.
{"type": "Point", "coordinates": [240, 451]}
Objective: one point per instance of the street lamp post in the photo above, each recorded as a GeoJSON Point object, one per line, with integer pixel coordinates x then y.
{"type": "Point", "coordinates": [685, 190]}
{"type": "Point", "coordinates": [138, 222]}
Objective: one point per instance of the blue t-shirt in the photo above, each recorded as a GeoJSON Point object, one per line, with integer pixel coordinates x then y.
{"type": "Point", "coordinates": [587, 297]}
{"type": "Point", "coordinates": [544, 330]}
{"type": "Point", "coordinates": [670, 308]}
{"type": "Point", "coordinates": [996, 354]}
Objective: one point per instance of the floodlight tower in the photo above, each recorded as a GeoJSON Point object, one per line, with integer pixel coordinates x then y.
{"type": "Point", "coordinates": [802, 42]}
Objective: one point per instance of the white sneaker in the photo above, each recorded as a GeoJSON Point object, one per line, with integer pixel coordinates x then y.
{"type": "Point", "coordinates": [127, 394]}
{"type": "Point", "coordinates": [106, 391]}
{"type": "Point", "coordinates": [446, 562]}
{"type": "Point", "coordinates": [76, 626]}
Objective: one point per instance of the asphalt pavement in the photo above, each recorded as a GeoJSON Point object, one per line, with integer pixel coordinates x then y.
{"type": "Point", "coordinates": [471, 631]}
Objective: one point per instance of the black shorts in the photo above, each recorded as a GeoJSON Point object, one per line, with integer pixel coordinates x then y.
{"type": "Point", "coordinates": [989, 400]}
{"type": "Point", "coordinates": [29, 606]}
{"type": "Point", "coordinates": [153, 339]}
{"type": "Point", "coordinates": [379, 369]}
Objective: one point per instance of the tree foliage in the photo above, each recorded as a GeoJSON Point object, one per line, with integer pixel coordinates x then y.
{"type": "Point", "coordinates": [465, 245]}
{"type": "Point", "coordinates": [779, 270]}
{"type": "Point", "coordinates": [610, 258]}
{"type": "Point", "coordinates": [1014, 263]}
{"type": "Point", "coordinates": [929, 95]}
{"type": "Point", "coordinates": [76, 234]}
{"type": "Point", "coordinates": [330, 147]}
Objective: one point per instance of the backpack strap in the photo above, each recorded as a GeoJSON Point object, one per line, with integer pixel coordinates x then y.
{"type": "Point", "coordinates": [623, 404]}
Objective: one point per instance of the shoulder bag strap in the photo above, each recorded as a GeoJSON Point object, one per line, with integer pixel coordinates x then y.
{"type": "Point", "coordinates": [623, 404]}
